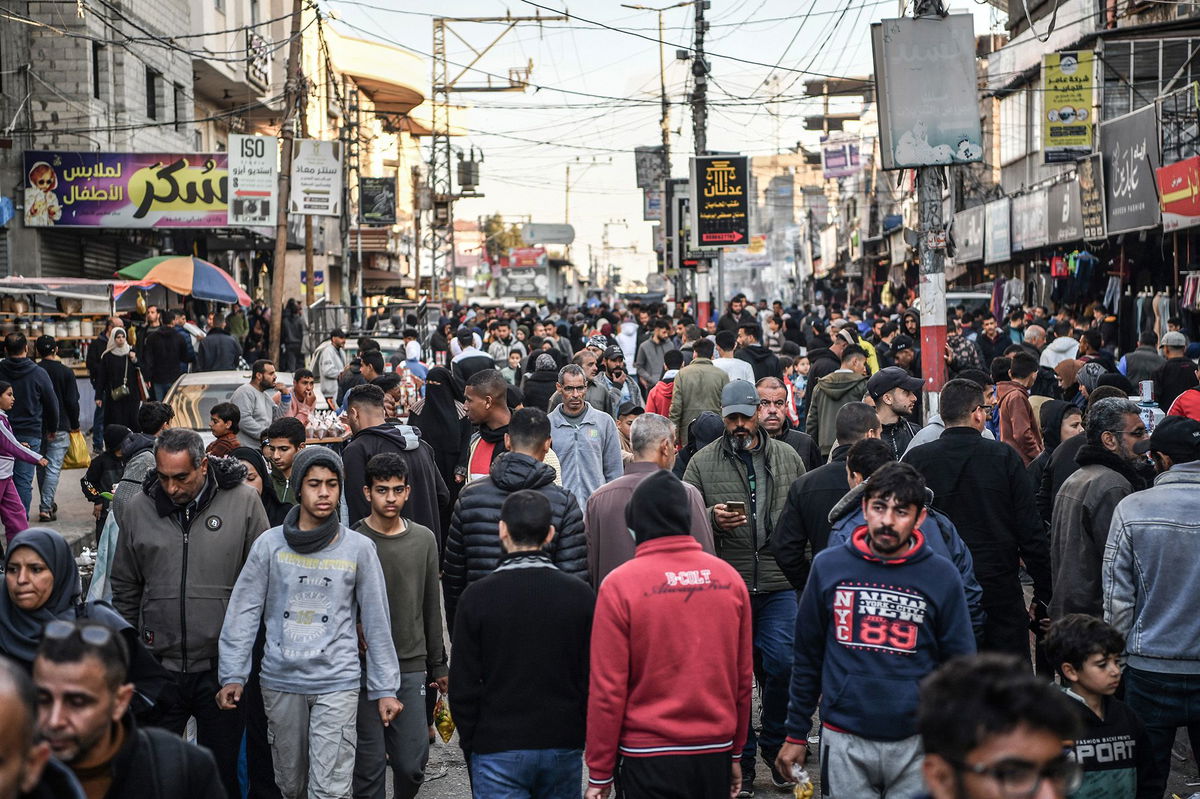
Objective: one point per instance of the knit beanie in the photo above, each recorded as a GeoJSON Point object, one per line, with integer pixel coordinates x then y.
{"type": "Point", "coordinates": [659, 507]}
{"type": "Point", "coordinates": [316, 456]}
{"type": "Point", "coordinates": [545, 363]}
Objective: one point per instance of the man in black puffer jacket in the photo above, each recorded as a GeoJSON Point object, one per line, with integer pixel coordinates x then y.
{"type": "Point", "coordinates": [472, 546]}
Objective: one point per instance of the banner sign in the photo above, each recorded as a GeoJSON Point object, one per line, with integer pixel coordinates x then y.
{"type": "Point", "coordinates": [377, 201]}
{"type": "Point", "coordinates": [720, 208]}
{"type": "Point", "coordinates": [1179, 188]}
{"type": "Point", "coordinates": [1129, 145]}
{"type": "Point", "coordinates": [925, 85]}
{"type": "Point", "coordinates": [126, 190]}
{"type": "Point", "coordinates": [1064, 213]}
{"type": "Point", "coordinates": [253, 179]}
{"type": "Point", "coordinates": [652, 206]}
{"type": "Point", "coordinates": [648, 162]}
{"type": "Point", "coordinates": [997, 245]}
{"type": "Point", "coordinates": [1029, 223]}
{"type": "Point", "coordinates": [1090, 177]}
{"type": "Point", "coordinates": [968, 235]}
{"type": "Point", "coordinates": [523, 283]}
{"type": "Point", "coordinates": [316, 178]}
{"type": "Point", "coordinates": [840, 155]}
{"type": "Point", "coordinates": [527, 256]}
{"type": "Point", "coordinates": [1067, 118]}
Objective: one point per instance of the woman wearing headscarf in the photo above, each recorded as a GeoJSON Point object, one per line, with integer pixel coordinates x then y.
{"type": "Point", "coordinates": [440, 340]}
{"type": "Point", "coordinates": [541, 383]}
{"type": "Point", "coordinates": [442, 419]}
{"type": "Point", "coordinates": [41, 584]}
{"type": "Point", "coordinates": [117, 387]}
{"type": "Point", "coordinates": [259, 478]}
{"type": "Point", "coordinates": [1059, 420]}
{"type": "Point", "coordinates": [1068, 380]}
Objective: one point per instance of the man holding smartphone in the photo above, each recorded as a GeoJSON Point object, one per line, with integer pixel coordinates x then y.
{"type": "Point", "coordinates": [744, 477]}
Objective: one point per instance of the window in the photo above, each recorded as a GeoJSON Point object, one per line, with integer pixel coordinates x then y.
{"type": "Point", "coordinates": [152, 80]}
{"type": "Point", "coordinates": [97, 50]}
{"type": "Point", "coordinates": [179, 100]}
{"type": "Point", "coordinates": [1135, 73]}
{"type": "Point", "coordinates": [1014, 115]}
{"type": "Point", "coordinates": [254, 12]}
{"type": "Point", "coordinates": [219, 5]}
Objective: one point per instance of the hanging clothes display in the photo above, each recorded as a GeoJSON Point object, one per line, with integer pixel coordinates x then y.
{"type": "Point", "coordinates": [1014, 293]}
{"type": "Point", "coordinates": [1112, 293]}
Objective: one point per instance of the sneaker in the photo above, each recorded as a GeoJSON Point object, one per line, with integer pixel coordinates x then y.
{"type": "Point", "coordinates": [747, 783]}
{"type": "Point", "coordinates": [778, 778]}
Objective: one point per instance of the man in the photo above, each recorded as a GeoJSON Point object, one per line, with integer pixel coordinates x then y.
{"type": "Point", "coordinates": [735, 368]}
{"type": "Point", "coordinates": [282, 441]}
{"type": "Point", "coordinates": [649, 363]}
{"type": "Point", "coordinates": [34, 416]}
{"type": "Point", "coordinates": [984, 489]}
{"type": "Point", "coordinates": [1018, 427]}
{"type": "Point", "coordinates": [219, 351]}
{"type": "Point", "coordinates": [1084, 506]}
{"type": "Point", "coordinates": [329, 361]}
{"type": "Point", "coordinates": [256, 405]}
{"type": "Point", "coordinates": [935, 426]}
{"type": "Point", "coordinates": [763, 362]}
{"type": "Point", "coordinates": [292, 327]}
{"type": "Point", "coordinates": [66, 388]}
{"type": "Point", "coordinates": [658, 399]}
{"type": "Point", "coordinates": [196, 519]}
{"type": "Point", "coordinates": [372, 434]}
{"type": "Point", "coordinates": [903, 353]}
{"type": "Point", "coordinates": [472, 549]}
{"type": "Point", "coordinates": [773, 417]}
{"type": "Point", "coordinates": [585, 439]}
{"type": "Point", "coordinates": [883, 604]}
{"type": "Point", "coordinates": [991, 341]}
{"type": "Point", "coordinates": [503, 343]}
{"type": "Point", "coordinates": [318, 589]}
{"type": "Point", "coordinates": [81, 672]}
{"type": "Point", "coordinates": [1143, 362]}
{"type": "Point", "coordinates": [598, 396]}
{"type": "Point", "coordinates": [1034, 339]}
{"type": "Point", "coordinates": [303, 398]}
{"type": "Point", "coordinates": [1091, 348]}
{"type": "Point", "coordinates": [1178, 372]}
{"type": "Point", "coordinates": [697, 389]}
{"type": "Point", "coordinates": [744, 477]}
{"type": "Point", "coordinates": [625, 416]}
{"type": "Point", "coordinates": [520, 691]}
{"type": "Point", "coordinates": [616, 381]}
{"type": "Point", "coordinates": [27, 770]}
{"type": "Point", "coordinates": [1061, 348]}
{"type": "Point", "coordinates": [831, 392]}
{"type": "Point", "coordinates": [804, 522]}
{"type": "Point", "coordinates": [486, 401]}
{"type": "Point", "coordinates": [990, 728]}
{"type": "Point", "coordinates": [737, 315]}
{"type": "Point", "coordinates": [895, 395]}
{"type": "Point", "coordinates": [165, 356]}
{"type": "Point", "coordinates": [470, 358]}
{"type": "Point", "coordinates": [650, 614]}
{"type": "Point", "coordinates": [372, 365]}
{"type": "Point", "coordinates": [1151, 537]}
{"type": "Point", "coordinates": [652, 439]}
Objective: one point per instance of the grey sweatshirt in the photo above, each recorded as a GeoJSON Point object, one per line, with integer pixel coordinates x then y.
{"type": "Point", "coordinates": [311, 604]}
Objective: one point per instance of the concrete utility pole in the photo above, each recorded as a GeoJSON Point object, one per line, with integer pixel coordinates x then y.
{"type": "Point", "coordinates": [700, 74]}
{"type": "Point", "coordinates": [286, 134]}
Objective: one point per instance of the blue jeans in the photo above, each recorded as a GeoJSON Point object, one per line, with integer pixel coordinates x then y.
{"type": "Point", "coordinates": [23, 472]}
{"type": "Point", "coordinates": [160, 390]}
{"type": "Point", "coordinates": [47, 476]}
{"type": "Point", "coordinates": [527, 774]}
{"type": "Point", "coordinates": [1164, 702]}
{"type": "Point", "coordinates": [774, 621]}
{"type": "Point", "coordinates": [98, 430]}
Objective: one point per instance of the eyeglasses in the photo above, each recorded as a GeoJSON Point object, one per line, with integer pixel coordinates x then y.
{"type": "Point", "coordinates": [1019, 779]}
{"type": "Point", "coordinates": [573, 389]}
{"type": "Point", "coordinates": [1140, 432]}
{"type": "Point", "coordinates": [94, 634]}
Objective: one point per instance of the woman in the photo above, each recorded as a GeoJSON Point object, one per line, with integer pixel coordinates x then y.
{"type": "Point", "coordinates": [1059, 420]}
{"type": "Point", "coordinates": [442, 419]}
{"type": "Point", "coordinates": [540, 384]}
{"type": "Point", "coordinates": [1068, 380]}
{"type": "Point", "coordinates": [440, 340]}
{"type": "Point", "coordinates": [258, 478]}
{"type": "Point", "coordinates": [41, 584]}
{"type": "Point", "coordinates": [117, 386]}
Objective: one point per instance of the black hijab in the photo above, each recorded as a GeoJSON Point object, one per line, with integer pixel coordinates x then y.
{"type": "Point", "coordinates": [1051, 416]}
{"type": "Point", "coordinates": [21, 630]}
{"type": "Point", "coordinates": [276, 510]}
{"type": "Point", "coordinates": [438, 419]}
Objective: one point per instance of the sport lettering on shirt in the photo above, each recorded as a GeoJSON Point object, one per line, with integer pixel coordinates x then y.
{"type": "Point", "coordinates": [694, 577]}
{"type": "Point", "coordinates": [886, 619]}
{"type": "Point", "coordinates": [1101, 751]}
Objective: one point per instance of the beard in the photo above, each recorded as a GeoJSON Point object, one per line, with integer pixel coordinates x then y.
{"type": "Point", "coordinates": [890, 545]}
{"type": "Point", "coordinates": [741, 440]}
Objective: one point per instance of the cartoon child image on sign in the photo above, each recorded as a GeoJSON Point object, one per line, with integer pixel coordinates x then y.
{"type": "Point", "coordinates": [42, 208]}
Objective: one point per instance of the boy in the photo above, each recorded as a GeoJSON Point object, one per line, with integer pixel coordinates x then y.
{"type": "Point", "coordinates": [223, 422]}
{"type": "Point", "coordinates": [312, 582]}
{"type": "Point", "coordinates": [774, 334]}
{"type": "Point", "coordinates": [1112, 748]}
{"type": "Point", "coordinates": [512, 371]}
{"type": "Point", "coordinates": [408, 553]}
{"type": "Point", "coordinates": [284, 440]}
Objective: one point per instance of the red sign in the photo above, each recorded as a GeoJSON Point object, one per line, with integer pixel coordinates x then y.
{"type": "Point", "coordinates": [527, 256]}
{"type": "Point", "coordinates": [1179, 193]}
{"type": "Point", "coordinates": [732, 236]}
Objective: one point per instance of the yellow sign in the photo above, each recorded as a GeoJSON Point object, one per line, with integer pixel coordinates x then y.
{"type": "Point", "coordinates": [1068, 105]}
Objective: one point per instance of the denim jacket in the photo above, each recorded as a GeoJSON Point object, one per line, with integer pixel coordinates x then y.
{"type": "Point", "coordinates": [1148, 585]}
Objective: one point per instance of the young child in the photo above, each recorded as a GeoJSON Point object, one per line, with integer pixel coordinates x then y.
{"type": "Point", "coordinates": [223, 421]}
{"type": "Point", "coordinates": [103, 473]}
{"type": "Point", "coordinates": [1113, 748]}
{"type": "Point", "coordinates": [799, 381]}
{"type": "Point", "coordinates": [513, 370]}
{"type": "Point", "coordinates": [408, 553]}
{"type": "Point", "coordinates": [13, 514]}
{"type": "Point", "coordinates": [774, 335]}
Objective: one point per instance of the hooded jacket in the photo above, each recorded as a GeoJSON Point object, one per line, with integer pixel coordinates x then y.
{"type": "Point", "coordinates": [539, 387]}
{"type": "Point", "coordinates": [175, 569]}
{"type": "Point", "coordinates": [627, 339]}
{"type": "Point", "coordinates": [697, 389]}
{"type": "Point", "coordinates": [36, 408]}
{"type": "Point", "coordinates": [429, 492]}
{"type": "Point", "coordinates": [137, 453]}
{"type": "Point", "coordinates": [1017, 426]}
{"type": "Point", "coordinates": [825, 400]}
{"type": "Point", "coordinates": [1051, 416]}
{"type": "Point", "coordinates": [867, 632]}
{"type": "Point", "coordinates": [804, 522]}
{"type": "Point", "coordinates": [1079, 525]}
{"type": "Point", "coordinates": [704, 429]}
{"type": "Point", "coordinates": [218, 351]}
{"type": "Point", "coordinates": [764, 362]}
{"type": "Point", "coordinates": [822, 362]}
{"type": "Point", "coordinates": [473, 546]}
{"type": "Point", "coordinates": [1063, 348]}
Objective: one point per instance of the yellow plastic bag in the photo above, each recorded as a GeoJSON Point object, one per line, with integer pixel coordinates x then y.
{"type": "Point", "coordinates": [441, 718]}
{"type": "Point", "coordinates": [77, 456]}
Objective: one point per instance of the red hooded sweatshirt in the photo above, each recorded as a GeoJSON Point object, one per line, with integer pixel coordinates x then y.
{"type": "Point", "coordinates": [671, 659]}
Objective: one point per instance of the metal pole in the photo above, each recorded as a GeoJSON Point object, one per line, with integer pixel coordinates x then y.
{"type": "Point", "coordinates": [286, 135]}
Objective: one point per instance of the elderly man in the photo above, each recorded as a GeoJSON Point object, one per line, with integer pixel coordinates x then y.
{"type": "Point", "coordinates": [772, 417]}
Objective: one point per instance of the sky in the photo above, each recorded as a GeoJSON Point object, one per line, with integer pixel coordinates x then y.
{"type": "Point", "coordinates": [599, 94]}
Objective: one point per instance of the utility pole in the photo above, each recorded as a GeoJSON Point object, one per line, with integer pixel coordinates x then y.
{"type": "Point", "coordinates": [700, 75]}
{"type": "Point", "coordinates": [286, 134]}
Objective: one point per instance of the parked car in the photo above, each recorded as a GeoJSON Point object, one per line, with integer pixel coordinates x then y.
{"type": "Point", "coordinates": [193, 396]}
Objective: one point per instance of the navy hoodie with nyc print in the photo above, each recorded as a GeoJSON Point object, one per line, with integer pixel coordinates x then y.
{"type": "Point", "coordinates": [867, 632]}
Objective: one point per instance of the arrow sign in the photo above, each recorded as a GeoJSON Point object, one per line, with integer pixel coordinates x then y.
{"type": "Point", "coordinates": [732, 236]}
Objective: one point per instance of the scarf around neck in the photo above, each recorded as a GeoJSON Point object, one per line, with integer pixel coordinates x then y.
{"type": "Point", "coordinates": [308, 541]}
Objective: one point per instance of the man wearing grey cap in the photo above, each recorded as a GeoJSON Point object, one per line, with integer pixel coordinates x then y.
{"type": "Point", "coordinates": [744, 477]}
{"type": "Point", "coordinates": [896, 394]}
{"type": "Point", "coordinates": [1178, 374]}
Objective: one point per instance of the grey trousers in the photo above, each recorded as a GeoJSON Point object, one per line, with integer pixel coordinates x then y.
{"type": "Point", "coordinates": [859, 768]}
{"type": "Point", "coordinates": [404, 744]}
{"type": "Point", "coordinates": [312, 738]}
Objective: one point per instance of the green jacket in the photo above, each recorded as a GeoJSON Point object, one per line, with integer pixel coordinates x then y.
{"type": "Point", "coordinates": [698, 389]}
{"type": "Point", "coordinates": [720, 475]}
{"type": "Point", "coordinates": [825, 400]}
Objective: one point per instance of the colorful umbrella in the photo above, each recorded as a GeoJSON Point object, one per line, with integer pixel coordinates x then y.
{"type": "Point", "coordinates": [186, 274]}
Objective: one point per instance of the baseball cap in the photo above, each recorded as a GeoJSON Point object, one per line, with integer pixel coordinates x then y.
{"type": "Point", "coordinates": [628, 407]}
{"type": "Point", "coordinates": [902, 342]}
{"type": "Point", "coordinates": [612, 352]}
{"type": "Point", "coordinates": [885, 380]}
{"type": "Point", "coordinates": [739, 396]}
{"type": "Point", "coordinates": [1174, 338]}
{"type": "Point", "coordinates": [1177, 437]}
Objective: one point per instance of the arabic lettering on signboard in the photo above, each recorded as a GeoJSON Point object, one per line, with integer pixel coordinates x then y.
{"type": "Point", "coordinates": [1131, 154]}
{"type": "Point", "coordinates": [125, 190]}
{"type": "Point", "coordinates": [1179, 188]}
{"type": "Point", "coordinates": [253, 179]}
{"type": "Point", "coordinates": [1089, 175]}
{"type": "Point", "coordinates": [1068, 102]}
{"type": "Point", "coordinates": [1064, 215]}
{"type": "Point", "coordinates": [377, 201]}
{"type": "Point", "coordinates": [316, 178]}
{"type": "Point", "coordinates": [720, 211]}
{"type": "Point", "coordinates": [997, 246]}
{"type": "Point", "coordinates": [840, 155]}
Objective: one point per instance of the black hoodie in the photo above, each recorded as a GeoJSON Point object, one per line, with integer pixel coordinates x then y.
{"type": "Point", "coordinates": [822, 361]}
{"type": "Point", "coordinates": [429, 492]}
{"type": "Point", "coordinates": [764, 362]}
{"type": "Point", "coordinates": [36, 408]}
